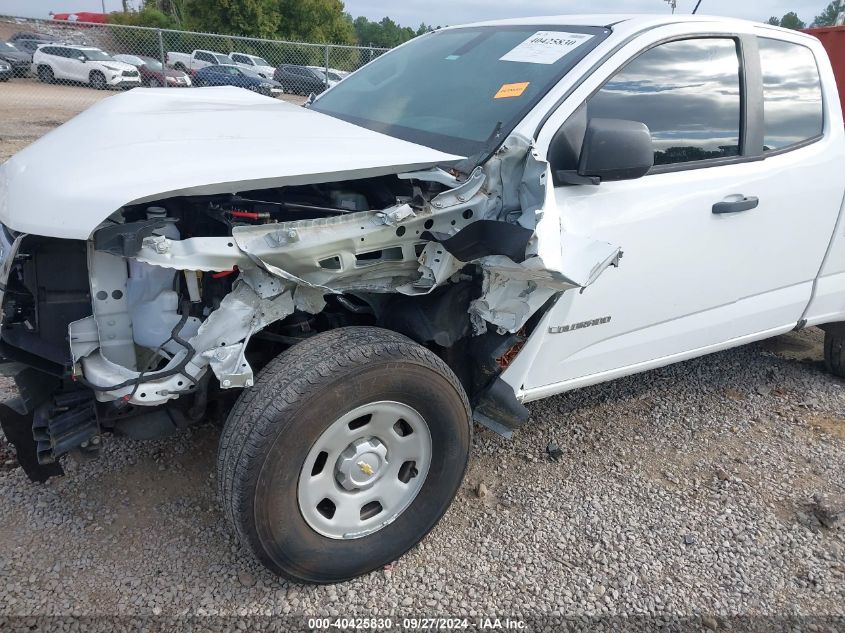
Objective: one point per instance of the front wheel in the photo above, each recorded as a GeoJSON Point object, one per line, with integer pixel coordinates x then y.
{"type": "Point", "coordinates": [97, 80]}
{"type": "Point", "coordinates": [347, 451]}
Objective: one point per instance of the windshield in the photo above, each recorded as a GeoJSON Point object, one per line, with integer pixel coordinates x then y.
{"type": "Point", "coordinates": [5, 46]}
{"type": "Point", "coordinates": [152, 64]}
{"type": "Point", "coordinates": [222, 59]}
{"type": "Point", "coordinates": [96, 55]}
{"type": "Point", "coordinates": [334, 76]}
{"type": "Point", "coordinates": [260, 61]}
{"type": "Point", "coordinates": [449, 89]}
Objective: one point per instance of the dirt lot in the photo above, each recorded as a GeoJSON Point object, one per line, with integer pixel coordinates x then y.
{"type": "Point", "coordinates": [685, 492]}
{"type": "Point", "coordinates": [29, 109]}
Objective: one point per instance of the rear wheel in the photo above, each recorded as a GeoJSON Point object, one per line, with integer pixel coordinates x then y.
{"type": "Point", "coordinates": [45, 74]}
{"type": "Point", "coordinates": [345, 454]}
{"type": "Point", "coordinates": [154, 83]}
{"type": "Point", "coordinates": [97, 80]}
{"type": "Point", "coordinates": [834, 349]}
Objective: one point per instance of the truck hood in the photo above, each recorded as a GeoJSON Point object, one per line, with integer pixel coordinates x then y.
{"type": "Point", "coordinates": [148, 144]}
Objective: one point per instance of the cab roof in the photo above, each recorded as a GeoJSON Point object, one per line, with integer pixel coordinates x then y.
{"type": "Point", "coordinates": [627, 22]}
{"type": "Point", "coordinates": [608, 19]}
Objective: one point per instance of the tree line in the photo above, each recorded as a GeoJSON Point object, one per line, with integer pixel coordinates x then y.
{"type": "Point", "coordinates": [826, 18]}
{"type": "Point", "coordinates": [297, 20]}
{"type": "Point", "coordinates": [318, 20]}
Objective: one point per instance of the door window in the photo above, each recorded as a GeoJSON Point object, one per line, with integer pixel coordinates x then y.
{"type": "Point", "coordinates": [792, 94]}
{"type": "Point", "coordinates": [205, 57]}
{"type": "Point", "coordinates": [688, 94]}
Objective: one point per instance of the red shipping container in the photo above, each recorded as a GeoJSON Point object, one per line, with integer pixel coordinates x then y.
{"type": "Point", "coordinates": [833, 39]}
{"type": "Point", "coordinates": [82, 16]}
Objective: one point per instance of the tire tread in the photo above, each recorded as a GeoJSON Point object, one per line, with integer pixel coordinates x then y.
{"type": "Point", "coordinates": [297, 374]}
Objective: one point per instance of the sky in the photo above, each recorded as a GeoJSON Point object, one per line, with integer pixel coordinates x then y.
{"type": "Point", "coordinates": [443, 12]}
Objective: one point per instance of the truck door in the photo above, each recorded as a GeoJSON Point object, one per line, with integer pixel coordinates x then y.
{"type": "Point", "coordinates": [723, 239]}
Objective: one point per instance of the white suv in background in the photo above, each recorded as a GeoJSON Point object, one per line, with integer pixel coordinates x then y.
{"type": "Point", "coordinates": [85, 64]}
{"type": "Point", "coordinates": [258, 65]}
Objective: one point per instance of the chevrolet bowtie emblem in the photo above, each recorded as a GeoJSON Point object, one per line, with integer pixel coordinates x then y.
{"type": "Point", "coordinates": [366, 468]}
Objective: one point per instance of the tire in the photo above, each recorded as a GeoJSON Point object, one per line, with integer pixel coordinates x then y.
{"type": "Point", "coordinates": [180, 66]}
{"type": "Point", "coordinates": [154, 83]}
{"type": "Point", "coordinates": [45, 75]}
{"type": "Point", "coordinates": [834, 351]}
{"type": "Point", "coordinates": [304, 393]}
{"type": "Point", "coordinates": [97, 80]}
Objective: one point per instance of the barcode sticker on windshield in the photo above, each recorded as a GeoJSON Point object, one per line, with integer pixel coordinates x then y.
{"type": "Point", "coordinates": [545, 47]}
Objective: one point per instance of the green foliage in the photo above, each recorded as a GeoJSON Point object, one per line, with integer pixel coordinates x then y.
{"type": "Point", "coordinates": [789, 21]}
{"type": "Point", "coordinates": [256, 18]}
{"type": "Point", "coordinates": [314, 21]}
{"type": "Point", "coordinates": [147, 16]}
{"type": "Point", "coordinates": [828, 16]}
{"type": "Point", "coordinates": [136, 41]}
{"type": "Point", "coordinates": [385, 33]}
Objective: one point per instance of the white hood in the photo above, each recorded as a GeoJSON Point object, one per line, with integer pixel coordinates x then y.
{"type": "Point", "coordinates": [147, 144]}
{"type": "Point", "coordinates": [118, 65]}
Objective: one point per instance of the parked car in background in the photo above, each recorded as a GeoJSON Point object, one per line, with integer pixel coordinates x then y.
{"type": "Point", "coordinates": [300, 80]}
{"type": "Point", "coordinates": [17, 59]}
{"type": "Point", "coordinates": [154, 74]}
{"type": "Point", "coordinates": [330, 78]}
{"type": "Point", "coordinates": [253, 63]}
{"type": "Point", "coordinates": [6, 72]}
{"type": "Point", "coordinates": [191, 62]}
{"type": "Point", "coordinates": [29, 47]}
{"type": "Point", "coordinates": [231, 75]}
{"type": "Point", "coordinates": [31, 35]}
{"type": "Point", "coordinates": [84, 64]}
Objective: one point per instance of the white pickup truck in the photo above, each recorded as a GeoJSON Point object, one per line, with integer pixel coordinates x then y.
{"type": "Point", "coordinates": [190, 62]}
{"type": "Point", "coordinates": [558, 202]}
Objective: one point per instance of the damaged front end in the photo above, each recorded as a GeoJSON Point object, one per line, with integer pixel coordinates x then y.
{"type": "Point", "coordinates": [168, 292]}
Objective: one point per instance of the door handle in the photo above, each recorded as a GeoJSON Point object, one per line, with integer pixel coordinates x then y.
{"type": "Point", "coordinates": [745, 203]}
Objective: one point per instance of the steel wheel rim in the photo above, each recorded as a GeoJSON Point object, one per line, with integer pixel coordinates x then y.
{"type": "Point", "coordinates": [364, 470]}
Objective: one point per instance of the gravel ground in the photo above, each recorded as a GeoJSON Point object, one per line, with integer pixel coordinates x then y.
{"type": "Point", "coordinates": [685, 491]}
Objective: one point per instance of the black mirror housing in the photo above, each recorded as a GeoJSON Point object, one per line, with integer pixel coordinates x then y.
{"type": "Point", "coordinates": [615, 149]}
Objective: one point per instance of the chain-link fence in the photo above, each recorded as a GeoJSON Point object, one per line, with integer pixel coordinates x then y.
{"type": "Point", "coordinates": [69, 65]}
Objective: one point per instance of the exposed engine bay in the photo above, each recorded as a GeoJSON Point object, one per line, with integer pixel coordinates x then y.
{"type": "Point", "coordinates": [168, 292]}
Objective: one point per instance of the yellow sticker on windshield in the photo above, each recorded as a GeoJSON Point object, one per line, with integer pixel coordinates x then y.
{"type": "Point", "coordinates": [511, 90]}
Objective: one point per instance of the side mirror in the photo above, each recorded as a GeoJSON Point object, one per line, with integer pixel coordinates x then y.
{"type": "Point", "coordinates": [615, 149]}
{"type": "Point", "coordinates": [81, 58]}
